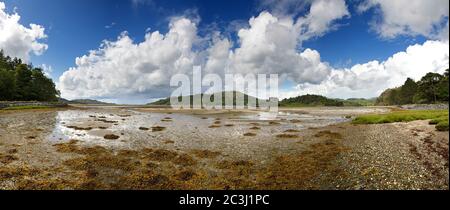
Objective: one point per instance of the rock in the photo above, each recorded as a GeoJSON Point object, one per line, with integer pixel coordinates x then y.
{"type": "Point", "coordinates": [111, 137]}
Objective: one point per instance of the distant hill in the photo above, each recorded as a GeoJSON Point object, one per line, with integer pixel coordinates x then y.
{"type": "Point", "coordinates": [310, 100]}
{"type": "Point", "coordinates": [318, 100]}
{"type": "Point", "coordinates": [359, 102]}
{"type": "Point", "coordinates": [63, 100]}
{"type": "Point", "coordinates": [299, 101]}
{"type": "Point", "coordinates": [166, 101]}
{"type": "Point", "coordinates": [87, 101]}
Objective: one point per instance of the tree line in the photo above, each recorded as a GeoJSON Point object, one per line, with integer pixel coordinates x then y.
{"type": "Point", "coordinates": [432, 88]}
{"type": "Point", "coordinates": [311, 100]}
{"type": "Point", "coordinates": [23, 82]}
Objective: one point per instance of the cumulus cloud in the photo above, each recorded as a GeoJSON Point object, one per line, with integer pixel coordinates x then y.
{"type": "Point", "coordinates": [47, 69]}
{"type": "Point", "coordinates": [284, 7]}
{"type": "Point", "coordinates": [405, 17]}
{"type": "Point", "coordinates": [371, 78]}
{"type": "Point", "coordinates": [17, 40]}
{"type": "Point", "coordinates": [322, 15]}
{"type": "Point", "coordinates": [320, 18]}
{"type": "Point", "coordinates": [123, 68]}
{"type": "Point", "coordinates": [269, 44]}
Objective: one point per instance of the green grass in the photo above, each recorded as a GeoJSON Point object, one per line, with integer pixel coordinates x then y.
{"type": "Point", "coordinates": [436, 117]}
{"type": "Point", "coordinates": [26, 107]}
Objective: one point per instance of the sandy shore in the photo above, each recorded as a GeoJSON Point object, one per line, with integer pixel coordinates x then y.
{"type": "Point", "coordinates": [66, 149]}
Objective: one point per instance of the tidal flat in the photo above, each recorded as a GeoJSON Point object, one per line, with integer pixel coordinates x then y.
{"type": "Point", "coordinates": [106, 147]}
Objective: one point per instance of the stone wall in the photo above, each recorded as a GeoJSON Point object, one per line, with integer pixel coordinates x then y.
{"type": "Point", "coordinates": [6, 104]}
{"type": "Point", "coordinates": [424, 106]}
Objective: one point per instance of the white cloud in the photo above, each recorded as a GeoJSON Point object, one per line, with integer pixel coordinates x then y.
{"type": "Point", "coordinates": [406, 17]}
{"type": "Point", "coordinates": [269, 44]}
{"type": "Point", "coordinates": [122, 68]}
{"type": "Point", "coordinates": [141, 2]}
{"type": "Point", "coordinates": [47, 69]}
{"type": "Point", "coordinates": [320, 18]}
{"type": "Point", "coordinates": [284, 7]}
{"type": "Point", "coordinates": [110, 25]}
{"type": "Point", "coordinates": [371, 78]}
{"type": "Point", "coordinates": [322, 15]}
{"type": "Point", "coordinates": [18, 40]}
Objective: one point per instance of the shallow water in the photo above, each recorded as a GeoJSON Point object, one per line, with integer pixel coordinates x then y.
{"type": "Point", "coordinates": [219, 145]}
{"type": "Point", "coordinates": [187, 131]}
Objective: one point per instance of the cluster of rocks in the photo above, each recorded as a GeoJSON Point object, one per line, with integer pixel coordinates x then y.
{"type": "Point", "coordinates": [424, 106]}
{"type": "Point", "coordinates": [6, 104]}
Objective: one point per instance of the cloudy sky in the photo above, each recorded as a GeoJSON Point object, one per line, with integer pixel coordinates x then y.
{"type": "Point", "coordinates": [126, 50]}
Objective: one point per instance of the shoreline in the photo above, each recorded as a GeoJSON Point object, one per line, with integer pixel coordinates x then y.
{"type": "Point", "coordinates": [340, 156]}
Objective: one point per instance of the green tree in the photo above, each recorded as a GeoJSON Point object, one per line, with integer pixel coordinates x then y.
{"type": "Point", "coordinates": [442, 92]}
{"type": "Point", "coordinates": [428, 88]}
{"type": "Point", "coordinates": [6, 85]}
{"type": "Point", "coordinates": [42, 88]}
{"type": "Point", "coordinates": [407, 92]}
{"type": "Point", "coordinates": [393, 97]}
{"type": "Point", "coordinates": [19, 81]}
{"type": "Point", "coordinates": [23, 82]}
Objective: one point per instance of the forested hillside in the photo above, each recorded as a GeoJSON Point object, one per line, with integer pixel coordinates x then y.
{"type": "Point", "coordinates": [236, 95]}
{"type": "Point", "coordinates": [23, 82]}
{"type": "Point", "coordinates": [311, 100]}
{"type": "Point", "coordinates": [432, 88]}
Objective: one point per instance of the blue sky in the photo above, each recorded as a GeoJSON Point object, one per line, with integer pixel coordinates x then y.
{"type": "Point", "coordinates": [73, 28]}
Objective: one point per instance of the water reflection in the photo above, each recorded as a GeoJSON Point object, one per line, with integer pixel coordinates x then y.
{"type": "Point", "coordinates": [93, 125]}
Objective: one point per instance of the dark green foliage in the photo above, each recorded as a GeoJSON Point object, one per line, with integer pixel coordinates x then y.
{"type": "Point", "coordinates": [84, 101]}
{"type": "Point", "coordinates": [428, 88]}
{"type": "Point", "coordinates": [22, 82]}
{"type": "Point", "coordinates": [7, 84]}
{"type": "Point", "coordinates": [236, 97]}
{"type": "Point", "coordinates": [442, 91]}
{"type": "Point", "coordinates": [432, 88]}
{"type": "Point", "coordinates": [407, 91]}
{"type": "Point", "coordinates": [311, 100]}
{"type": "Point", "coordinates": [359, 102]}
{"type": "Point", "coordinates": [162, 102]}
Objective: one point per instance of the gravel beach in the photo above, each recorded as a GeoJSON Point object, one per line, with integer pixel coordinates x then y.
{"type": "Point", "coordinates": [126, 148]}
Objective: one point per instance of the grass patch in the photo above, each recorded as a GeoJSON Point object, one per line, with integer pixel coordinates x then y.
{"type": "Point", "coordinates": [436, 117]}
{"type": "Point", "coordinates": [442, 126]}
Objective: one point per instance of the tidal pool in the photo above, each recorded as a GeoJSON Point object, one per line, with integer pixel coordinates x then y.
{"type": "Point", "coordinates": [145, 148]}
{"type": "Point", "coordinates": [237, 134]}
